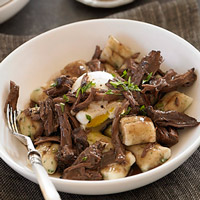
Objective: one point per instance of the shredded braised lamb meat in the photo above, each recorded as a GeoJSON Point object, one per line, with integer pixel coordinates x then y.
{"type": "Point", "coordinates": [87, 165]}
{"type": "Point", "coordinates": [171, 118]}
{"type": "Point", "coordinates": [167, 136]}
{"type": "Point", "coordinates": [48, 116]}
{"type": "Point", "coordinates": [12, 96]}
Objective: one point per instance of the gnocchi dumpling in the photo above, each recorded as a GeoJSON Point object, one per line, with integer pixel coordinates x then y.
{"type": "Point", "coordinates": [29, 127]}
{"type": "Point", "coordinates": [115, 52]}
{"type": "Point", "coordinates": [116, 170]}
{"type": "Point", "coordinates": [137, 130]}
{"type": "Point", "coordinates": [38, 95]}
{"type": "Point", "coordinates": [149, 158]}
{"type": "Point", "coordinates": [174, 101]}
{"type": "Point", "coordinates": [48, 151]}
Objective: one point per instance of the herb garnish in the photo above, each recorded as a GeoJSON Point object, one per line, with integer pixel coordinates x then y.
{"type": "Point", "coordinates": [66, 98]}
{"type": "Point", "coordinates": [127, 111]}
{"type": "Point", "coordinates": [124, 74]}
{"type": "Point", "coordinates": [163, 160]}
{"type": "Point", "coordinates": [88, 117]}
{"type": "Point", "coordinates": [84, 158]}
{"type": "Point", "coordinates": [143, 110]}
{"type": "Point", "coordinates": [147, 78]}
{"type": "Point", "coordinates": [126, 85]}
{"type": "Point", "coordinates": [84, 88]}
{"type": "Point", "coordinates": [54, 84]}
{"type": "Point", "coordinates": [62, 105]}
{"type": "Point", "coordinates": [109, 92]}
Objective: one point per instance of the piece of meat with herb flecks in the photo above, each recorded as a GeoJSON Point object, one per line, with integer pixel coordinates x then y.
{"type": "Point", "coordinates": [118, 146]}
{"type": "Point", "coordinates": [61, 86]}
{"type": "Point", "coordinates": [48, 116]}
{"type": "Point", "coordinates": [12, 96]}
{"type": "Point", "coordinates": [66, 154]}
{"type": "Point", "coordinates": [87, 165]}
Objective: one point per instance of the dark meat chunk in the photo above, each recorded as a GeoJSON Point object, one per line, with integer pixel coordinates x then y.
{"type": "Point", "coordinates": [40, 140]}
{"type": "Point", "coordinates": [78, 98]}
{"type": "Point", "coordinates": [33, 113]}
{"type": "Point", "coordinates": [87, 165]}
{"type": "Point", "coordinates": [12, 96]}
{"type": "Point", "coordinates": [48, 116]}
{"type": "Point", "coordinates": [65, 126]}
{"type": "Point", "coordinates": [152, 62]}
{"type": "Point", "coordinates": [68, 98]}
{"type": "Point", "coordinates": [171, 118]}
{"type": "Point", "coordinates": [136, 71]}
{"type": "Point", "coordinates": [62, 85]}
{"type": "Point", "coordinates": [171, 81]}
{"type": "Point", "coordinates": [66, 154]}
{"type": "Point", "coordinates": [108, 158]}
{"type": "Point", "coordinates": [79, 137]}
{"type": "Point", "coordinates": [97, 53]}
{"type": "Point", "coordinates": [166, 136]}
{"type": "Point", "coordinates": [129, 96]}
{"type": "Point", "coordinates": [114, 95]}
{"type": "Point", "coordinates": [65, 157]}
{"type": "Point", "coordinates": [95, 65]}
{"type": "Point", "coordinates": [119, 148]}
{"type": "Point", "coordinates": [73, 121]}
{"type": "Point", "coordinates": [85, 103]}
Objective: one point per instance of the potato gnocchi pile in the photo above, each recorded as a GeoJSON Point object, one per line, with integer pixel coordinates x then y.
{"type": "Point", "coordinates": [111, 117]}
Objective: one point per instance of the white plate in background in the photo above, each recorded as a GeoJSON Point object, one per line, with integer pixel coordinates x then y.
{"type": "Point", "coordinates": [32, 64]}
{"type": "Point", "coordinates": [105, 3]}
{"type": "Point", "coordinates": [8, 8]}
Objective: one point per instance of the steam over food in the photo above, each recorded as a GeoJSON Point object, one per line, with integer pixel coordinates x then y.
{"type": "Point", "coordinates": [103, 118]}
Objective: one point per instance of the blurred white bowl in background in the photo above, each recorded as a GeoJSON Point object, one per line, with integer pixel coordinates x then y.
{"type": "Point", "coordinates": [8, 8]}
{"type": "Point", "coordinates": [105, 3]}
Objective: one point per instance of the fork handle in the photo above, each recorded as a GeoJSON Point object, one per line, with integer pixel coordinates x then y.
{"type": "Point", "coordinates": [48, 189]}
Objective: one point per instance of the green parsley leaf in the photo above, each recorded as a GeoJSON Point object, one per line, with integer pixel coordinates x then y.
{"type": "Point", "coordinates": [126, 85]}
{"type": "Point", "coordinates": [124, 74]}
{"type": "Point", "coordinates": [143, 110]}
{"type": "Point", "coordinates": [113, 75]}
{"type": "Point", "coordinates": [127, 111]}
{"type": "Point", "coordinates": [86, 87]}
{"type": "Point", "coordinates": [77, 92]}
{"type": "Point", "coordinates": [162, 160]}
{"type": "Point", "coordinates": [129, 82]}
{"type": "Point", "coordinates": [134, 88]}
{"type": "Point", "coordinates": [62, 105]}
{"type": "Point", "coordinates": [88, 117]}
{"type": "Point", "coordinates": [54, 84]}
{"type": "Point", "coordinates": [147, 78]}
{"type": "Point", "coordinates": [109, 92]}
{"type": "Point", "coordinates": [84, 158]}
{"type": "Point", "coordinates": [66, 98]}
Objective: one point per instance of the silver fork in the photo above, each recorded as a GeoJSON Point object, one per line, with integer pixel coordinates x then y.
{"type": "Point", "coordinates": [48, 189]}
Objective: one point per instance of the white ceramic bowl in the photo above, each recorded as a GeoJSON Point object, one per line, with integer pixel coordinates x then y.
{"type": "Point", "coordinates": [105, 3]}
{"type": "Point", "coordinates": [8, 8]}
{"type": "Point", "coordinates": [34, 62]}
